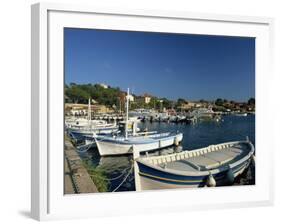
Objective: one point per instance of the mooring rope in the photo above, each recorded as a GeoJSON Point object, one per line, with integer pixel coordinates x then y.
{"type": "Point", "coordinates": [86, 148]}
{"type": "Point", "coordinates": [114, 178]}
{"type": "Point", "coordinates": [124, 179]}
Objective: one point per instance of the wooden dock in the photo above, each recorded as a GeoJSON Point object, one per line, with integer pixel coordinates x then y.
{"type": "Point", "coordinates": [76, 177]}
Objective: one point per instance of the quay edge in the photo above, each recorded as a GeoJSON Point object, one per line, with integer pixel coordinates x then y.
{"type": "Point", "coordinates": [76, 176]}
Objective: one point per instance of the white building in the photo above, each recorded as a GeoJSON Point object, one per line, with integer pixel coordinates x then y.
{"type": "Point", "coordinates": [103, 85]}
{"type": "Point", "coordinates": [147, 99]}
{"type": "Point", "coordinates": [131, 98]}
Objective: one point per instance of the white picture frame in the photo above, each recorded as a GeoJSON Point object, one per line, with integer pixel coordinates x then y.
{"type": "Point", "coordinates": [48, 200]}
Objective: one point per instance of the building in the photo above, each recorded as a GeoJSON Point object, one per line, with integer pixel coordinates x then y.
{"type": "Point", "coordinates": [187, 106]}
{"type": "Point", "coordinates": [147, 98]}
{"type": "Point", "coordinates": [101, 109]}
{"type": "Point", "coordinates": [131, 98]}
{"type": "Point", "coordinates": [104, 85]}
{"type": "Point", "coordinates": [76, 109]}
{"type": "Point", "coordinates": [82, 109]}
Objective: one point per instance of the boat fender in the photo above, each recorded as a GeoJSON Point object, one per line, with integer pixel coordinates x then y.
{"type": "Point", "coordinates": [230, 176]}
{"type": "Point", "coordinates": [254, 160]}
{"type": "Point", "coordinates": [176, 141]}
{"type": "Point", "coordinates": [211, 182]}
{"type": "Point", "coordinates": [160, 145]}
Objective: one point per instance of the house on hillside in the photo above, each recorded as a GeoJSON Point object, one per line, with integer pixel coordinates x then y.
{"type": "Point", "coordinates": [147, 98]}
{"type": "Point", "coordinates": [103, 85]}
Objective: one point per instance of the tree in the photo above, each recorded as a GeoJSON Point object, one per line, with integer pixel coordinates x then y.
{"type": "Point", "coordinates": [180, 101]}
{"type": "Point", "coordinates": [219, 102]}
{"type": "Point", "coordinates": [167, 103]}
{"type": "Point", "coordinates": [203, 101]}
{"type": "Point", "coordinates": [251, 101]}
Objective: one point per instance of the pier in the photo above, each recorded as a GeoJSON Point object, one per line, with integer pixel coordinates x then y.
{"type": "Point", "coordinates": [76, 176]}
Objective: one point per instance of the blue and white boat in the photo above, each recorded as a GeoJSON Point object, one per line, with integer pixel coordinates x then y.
{"type": "Point", "coordinates": [214, 165]}
{"type": "Point", "coordinates": [118, 145]}
{"type": "Point", "coordinates": [92, 131]}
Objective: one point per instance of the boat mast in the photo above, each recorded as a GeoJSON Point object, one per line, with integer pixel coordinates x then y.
{"type": "Point", "coordinates": [127, 115]}
{"type": "Point", "coordinates": [89, 113]}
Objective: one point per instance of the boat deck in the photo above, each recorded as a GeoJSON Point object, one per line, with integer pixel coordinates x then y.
{"type": "Point", "coordinates": [209, 160]}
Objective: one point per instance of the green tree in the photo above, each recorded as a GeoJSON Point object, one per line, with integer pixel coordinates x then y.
{"type": "Point", "coordinates": [219, 102]}
{"type": "Point", "coordinates": [180, 101]}
{"type": "Point", "coordinates": [251, 101]}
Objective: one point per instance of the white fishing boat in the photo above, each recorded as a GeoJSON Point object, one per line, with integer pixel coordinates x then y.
{"type": "Point", "coordinates": [91, 131]}
{"type": "Point", "coordinates": [83, 122]}
{"type": "Point", "coordinates": [90, 141]}
{"type": "Point", "coordinates": [118, 145]}
{"type": "Point", "coordinates": [202, 113]}
{"type": "Point", "coordinates": [241, 114]}
{"type": "Point", "coordinates": [214, 165]}
{"type": "Point", "coordinates": [122, 145]}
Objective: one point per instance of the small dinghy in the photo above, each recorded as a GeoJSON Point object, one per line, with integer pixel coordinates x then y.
{"type": "Point", "coordinates": [215, 165]}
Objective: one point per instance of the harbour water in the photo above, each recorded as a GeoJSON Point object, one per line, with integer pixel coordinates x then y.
{"type": "Point", "coordinates": [198, 135]}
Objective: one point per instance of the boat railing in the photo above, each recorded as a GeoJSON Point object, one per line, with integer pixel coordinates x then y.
{"type": "Point", "coordinates": [188, 154]}
{"type": "Point", "coordinates": [146, 133]}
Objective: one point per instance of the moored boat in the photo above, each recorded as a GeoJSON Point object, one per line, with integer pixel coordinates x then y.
{"type": "Point", "coordinates": [241, 114]}
{"type": "Point", "coordinates": [118, 145]}
{"type": "Point", "coordinates": [89, 127]}
{"type": "Point", "coordinates": [214, 165]}
{"type": "Point", "coordinates": [90, 131]}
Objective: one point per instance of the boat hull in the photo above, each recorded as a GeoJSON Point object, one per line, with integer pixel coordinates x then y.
{"type": "Point", "coordinates": [89, 133]}
{"type": "Point", "coordinates": [153, 180]}
{"type": "Point", "coordinates": [114, 148]}
{"type": "Point", "coordinates": [214, 165]}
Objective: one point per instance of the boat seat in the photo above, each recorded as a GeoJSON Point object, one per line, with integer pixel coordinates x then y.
{"type": "Point", "coordinates": [203, 162]}
{"type": "Point", "coordinates": [219, 157]}
{"type": "Point", "coordinates": [230, 153]}
{"type": "Point", "coordinates": [182, 165]}
{"type": "Point", "coordinates": [236, 149]}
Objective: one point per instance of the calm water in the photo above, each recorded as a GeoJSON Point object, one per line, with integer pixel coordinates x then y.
{"type": "Point", "coordinates": [201, 134]}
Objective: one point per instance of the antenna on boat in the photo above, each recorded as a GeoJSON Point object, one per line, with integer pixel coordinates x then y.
{"type": "Point", "coordinates": [127, 114]}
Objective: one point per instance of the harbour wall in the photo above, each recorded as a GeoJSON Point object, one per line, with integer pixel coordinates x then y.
{"type": "Point", "coordinates": [76, 176]}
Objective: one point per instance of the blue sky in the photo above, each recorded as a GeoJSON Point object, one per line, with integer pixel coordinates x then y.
{"type": "Point", "coordinates": [165, 65]}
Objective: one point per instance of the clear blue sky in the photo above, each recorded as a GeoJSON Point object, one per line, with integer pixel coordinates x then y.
{"type": "Point", "coordinates": [165, 65]}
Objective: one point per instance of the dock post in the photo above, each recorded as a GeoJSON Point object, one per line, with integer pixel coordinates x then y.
{"type": "Point", "coordinates": [136, 154]}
